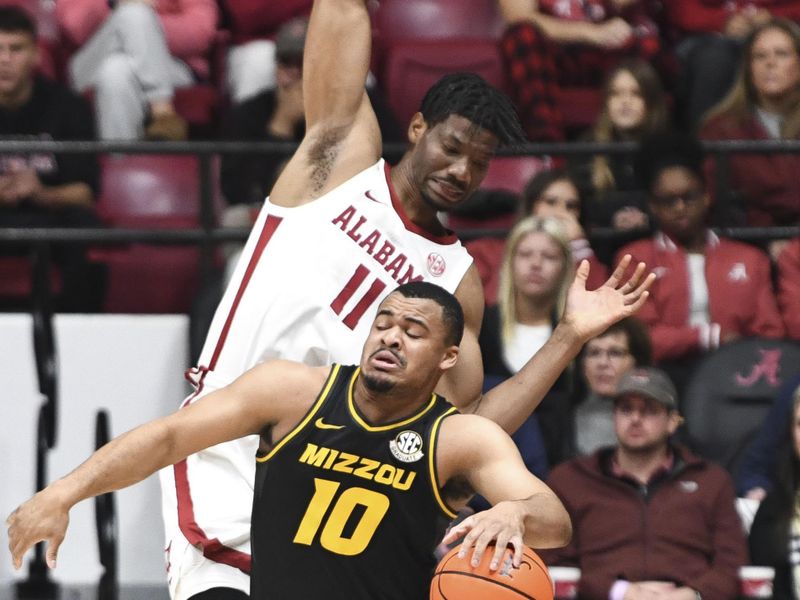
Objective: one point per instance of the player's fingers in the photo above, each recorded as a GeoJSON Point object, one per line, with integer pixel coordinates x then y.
{"type": "Point", "coordinates": [517, 543]}
{"type": "Point", "coordinates": [481, 543]}
{"type": "Point", "coordinates": [500, 546]}
{"type": "Point", "coordinates": [457, 531]}
{"type": "Point", "coordinates": [633, 280]}
{"type": "Point", "coordinates": [619, 272]}
{"type": "Point", "coordinates": [582, 272]}
{"type": "Point", "coordinates": [632, 308]}
{"type": "Point", "coordinates": [470, 539]}
{"type": "Point", "coordinates": [53, 545]}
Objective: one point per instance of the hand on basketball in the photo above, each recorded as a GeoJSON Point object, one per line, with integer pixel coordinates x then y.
{"type": "Point", "coordinates": [589, 313]}
{"type": "Point", "coordinates": [503, 525]}
{"type": "Point", "coordinates": [41, 518]}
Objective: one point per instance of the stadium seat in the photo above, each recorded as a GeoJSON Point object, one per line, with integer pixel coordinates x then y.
{"type": "Point", "coordinates": [150, 192]}
{"type": "Point", "coordinates": [580, 106]}
{"type": "Point", "coordinates": [404, 20]}
{"type": "Point", "coordinates": [512, 173]}
{"type": "Point", "coordinates": [413, 67]}
{"type": "Point", "coordinates": [730, 393]}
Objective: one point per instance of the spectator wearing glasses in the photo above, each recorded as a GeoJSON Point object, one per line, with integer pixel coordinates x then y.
{"type": "Point", "coordinates": [603, 362]}
{"type": "Point", "coordinates": [708, 290]}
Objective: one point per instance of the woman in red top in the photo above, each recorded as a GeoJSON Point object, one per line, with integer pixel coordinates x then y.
{"type": "Point", "coordinates": [764, 104]}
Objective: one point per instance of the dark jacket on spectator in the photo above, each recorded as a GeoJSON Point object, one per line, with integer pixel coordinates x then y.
{"type": "Point", "coordinates": [682, 527]}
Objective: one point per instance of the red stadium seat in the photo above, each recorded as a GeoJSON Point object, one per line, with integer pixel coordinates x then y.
{"type": "Point", "coordinates": [150, 192]}
{"type": "Point", "coordinates": [580, 106]}
{"type": "Point", "coordinates": [403, 20]}
{"type": "Point", "coordinates": [512, 173]}
{"type": "Point", "coordinates": [413, 67]}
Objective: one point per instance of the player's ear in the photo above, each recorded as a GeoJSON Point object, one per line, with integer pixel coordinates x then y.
{"type": "Point", "coordinates": [449, 358]}
{"type": "Point", "coordinates": [416, 128]}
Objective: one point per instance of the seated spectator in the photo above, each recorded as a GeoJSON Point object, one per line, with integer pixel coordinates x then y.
{"type": "Point", "coordinates": [634, 107]}
{"type": "Point", "coordinates": [764, 104]}
{"type": "Point", "coordinates": [775, 533]}
{"type": "Point", "coordinates": [709, 36]}
{"type": "Point", "coordinates": [43, 189]}
{"type": "Point", "coordinates": [534, 278]}
{"type": "Point", "coordinates": [549, 194]}
{"type": "Point", "coordinates": [789, 287]}
{"type": "Point", "coordinates": [649, 519]}
{"type": "Point", "coordinates": [276, 115]}
{"type": "Point", "coordinates": [251, 61]}
{"type": "Point", "coordinates": [133, 55]}
{"type": "Point", "coordinates": [604, 360]}
{"type": "Point", "coordinates": [756, 474]}
{"type": "Point", "coordinates": [708, 290]}
{"type": "Point", "coordinates": [552, 43]}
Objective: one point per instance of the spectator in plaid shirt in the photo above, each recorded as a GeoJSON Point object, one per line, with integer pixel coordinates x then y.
{"type": "Point", "coordinates": [535, 44]}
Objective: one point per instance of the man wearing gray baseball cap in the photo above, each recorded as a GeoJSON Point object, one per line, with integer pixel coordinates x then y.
{"type": "Point", "coordinates": [650, 519]}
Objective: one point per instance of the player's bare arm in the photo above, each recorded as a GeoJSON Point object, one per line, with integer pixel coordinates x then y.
{"type": "Point", "coordinates": [587, 314]}
{"type": "Point", "coordinates": [524, 509]}
{"type": "Point", "coordinates": [462, 384]}
{"type": "Point", "coordinates": [249, 405]}
{"type": "Point", "coordinates": [342, 135]}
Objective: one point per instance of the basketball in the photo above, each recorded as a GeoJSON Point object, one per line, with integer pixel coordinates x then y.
{"type": "Point", "coordinates": [456, 579]}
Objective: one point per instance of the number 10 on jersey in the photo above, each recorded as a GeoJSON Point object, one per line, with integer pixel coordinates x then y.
{"type": "Point", "coordinates": [374, 505]}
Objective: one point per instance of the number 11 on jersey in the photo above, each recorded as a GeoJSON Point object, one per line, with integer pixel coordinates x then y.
{"type": "Point", "coordinates": [352, 318]}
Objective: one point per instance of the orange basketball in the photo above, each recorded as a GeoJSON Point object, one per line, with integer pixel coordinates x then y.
{"type": "Point", "coordinates": [456, 579]}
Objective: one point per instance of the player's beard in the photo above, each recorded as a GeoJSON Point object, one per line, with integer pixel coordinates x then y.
{"type": "Point", "coordinates": [377, 384]}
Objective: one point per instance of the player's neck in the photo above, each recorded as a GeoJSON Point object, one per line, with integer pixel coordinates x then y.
{"type": "Point", "coordinates": [387, 407]}
{"type": "Point", "coordinates": [416, 209]}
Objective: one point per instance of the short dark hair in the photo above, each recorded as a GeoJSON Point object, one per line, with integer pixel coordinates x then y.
{"type": "Point", "coordinates": [639, 344]}
{"type": "Point", "coordinates": [452, 313]}
{"type": "Point", "coordinates": [469, 95]}
{"type": "Point", "coordinates": [663, 151]}
{"type": "Point", "coordinates": [14, 19]}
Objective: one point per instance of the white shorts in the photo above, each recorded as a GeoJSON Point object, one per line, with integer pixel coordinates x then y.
{"type": "Point", "coordinates": [188, 571]}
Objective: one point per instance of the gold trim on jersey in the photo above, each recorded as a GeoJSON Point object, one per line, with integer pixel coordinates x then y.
{"type": "Point", "coordinates": [307, 419]}
{"type": "Point", "coordinates": [359, 419]}
{"type": "Point", "coordinates": [432, 465]}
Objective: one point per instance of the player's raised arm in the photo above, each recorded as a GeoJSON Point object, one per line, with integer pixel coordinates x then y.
{"type": "Point", "coordinates": [525, 510]}
{"type": "Point", "coordinates": [342, 134]}
{"type": "Point", "coordinates": [588, 313]}
{"type": "Point", "coordinates": [245, 407]}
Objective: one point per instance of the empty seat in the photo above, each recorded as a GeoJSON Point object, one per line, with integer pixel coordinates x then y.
{"type": "Point", "coordinates": [730, 393]}
{"type": "Point", "coordinates": [150, 192]}
{"type": "Point", "coordinates": [512, 173]}
{"type": "Point", "coordinates": [398, 20]}
{"type": "Point", "coordinates": [412, 68]}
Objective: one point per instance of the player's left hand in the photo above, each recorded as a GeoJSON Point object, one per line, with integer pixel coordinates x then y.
{"type": "Point", "coordinates": [42, 518]}
{"type": "Point", "coordinates": [590, 313]}
{"type": "Point", "coordinates": [502, 524]}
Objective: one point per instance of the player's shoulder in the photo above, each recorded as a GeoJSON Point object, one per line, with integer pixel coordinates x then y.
{"type": "Point", "coordinates": [460, 428]}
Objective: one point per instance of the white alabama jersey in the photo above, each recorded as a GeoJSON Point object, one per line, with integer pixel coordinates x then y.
{"type": "Point", "coordinates": [306, 289]}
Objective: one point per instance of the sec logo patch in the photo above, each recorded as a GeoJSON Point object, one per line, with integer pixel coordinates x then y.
{"type": "Point", "coordinates": [407, 446]}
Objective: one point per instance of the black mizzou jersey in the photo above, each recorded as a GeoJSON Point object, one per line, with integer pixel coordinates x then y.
{"type": "Point", "coordinates": [347, 510]}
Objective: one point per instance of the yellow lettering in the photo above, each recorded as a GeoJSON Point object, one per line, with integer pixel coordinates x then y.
{"type": "Point", "coordinates": [313, 455]}
{"type": "Point", "coordinates": [345, 460]}
{"type": "Point", "coordinates": [385, 474]}
{"type": "Point", "coordinates": [367, 467]}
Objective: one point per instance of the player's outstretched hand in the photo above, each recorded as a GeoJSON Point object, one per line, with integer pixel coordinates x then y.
{"type": "Point", "coordinates": [42, 518]}
{"type": "Point", "coordinates": [503, 524]}
{"type": "Point", "coordinates": [590, 313]}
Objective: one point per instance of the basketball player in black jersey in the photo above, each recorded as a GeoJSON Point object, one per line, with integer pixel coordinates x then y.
{"type": "Point", "coordinates": [352, 478]}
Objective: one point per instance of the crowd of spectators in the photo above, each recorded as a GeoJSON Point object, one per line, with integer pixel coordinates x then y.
{"type": "Point", "coordinates": [665, 74]}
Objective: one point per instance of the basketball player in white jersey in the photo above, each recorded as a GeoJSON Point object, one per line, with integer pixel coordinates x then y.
{"type": "Point", "coordinates": [339, 231]}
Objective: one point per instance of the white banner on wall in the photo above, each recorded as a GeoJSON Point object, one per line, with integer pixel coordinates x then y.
{"type": "Point", "coordinates": [130, 365]}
